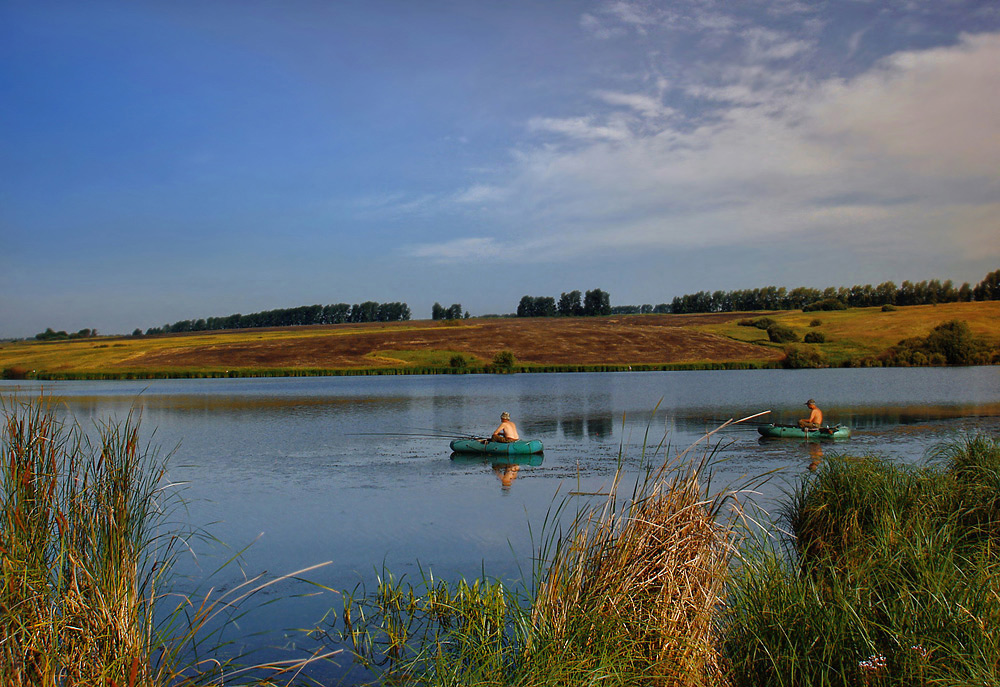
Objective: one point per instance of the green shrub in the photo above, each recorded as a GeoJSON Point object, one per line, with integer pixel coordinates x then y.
{"type": "Point", "coordinates": [815, 337]}
{"type": "Point", "coordinates": [779, 333]}
{"type": "Point", "coordinates": [801, 357]}
{"type": "Point", "coordinates": [504, 361]}
{"type": "Point", "coordinates": [458, 362]}
{"type": "Point", "coordinates": [816, 323]}
{"type": "Point", "coordinates": [764, 323]}
{"type": "Point", "coordinates": [950, 343]}
{"type": "Point", "coordinates": [826, 304]}
{"type": "Point", "coordinates": [888, 307]}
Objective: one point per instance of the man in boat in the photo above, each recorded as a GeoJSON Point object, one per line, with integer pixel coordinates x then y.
{"type": "Point", "coordinates": [815, 419]}
{"type": "Point", "coordinates": [506, 433]}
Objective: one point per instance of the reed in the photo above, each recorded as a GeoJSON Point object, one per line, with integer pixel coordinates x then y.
{"type": "Point", "coordinates": [642, 581]}
{"type": "Point", "coordinates": [86, 554]}
{"type": "Point", "coordinates": [626, 590]}
{"type": "Point", "coordinates": [77, 551]}
{"type": "Point", "coordinates": [889, 575]}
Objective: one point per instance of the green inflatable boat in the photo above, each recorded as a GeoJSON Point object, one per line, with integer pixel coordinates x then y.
{"type": "Point", "coordinates": [496, 448]}
{"type": "Point", "coordinates": [796, 432]}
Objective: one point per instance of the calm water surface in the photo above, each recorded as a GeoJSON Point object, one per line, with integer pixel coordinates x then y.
{"type": "Point", "coordinates": [307, 471]}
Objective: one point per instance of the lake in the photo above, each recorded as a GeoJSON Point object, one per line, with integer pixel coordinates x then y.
{"type": "Point", "coordinates": [307, 470]}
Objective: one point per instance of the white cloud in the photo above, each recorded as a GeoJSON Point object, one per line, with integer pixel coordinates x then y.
{"type": "Point", "coordinates": [937, 109]}
{"type": "Point", "coordinates": [459, 249]}
{"type": "Point", "coordinates": [480, 193]}
{"type": "Point", "coordinates": [764, 45]}
{"type": "Point", "coordinates": [904, 157]}
{"type": "Point", "coordinates": [579, 128]}
{"type": "Point", "coordinates": [645, 105]}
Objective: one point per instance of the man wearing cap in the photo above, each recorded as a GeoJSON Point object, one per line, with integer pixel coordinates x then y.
{"type": "Point", "coordinates": [815, 419]}
{"type": "Point", "coordinates": [506, 433]}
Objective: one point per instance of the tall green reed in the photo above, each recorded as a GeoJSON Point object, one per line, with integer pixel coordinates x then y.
{"type": "Point", "coordinates": [887, 577]}
{"type": "Point", "coordinates": [87, 550]}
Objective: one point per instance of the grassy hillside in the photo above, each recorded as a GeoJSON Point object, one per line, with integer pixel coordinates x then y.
{"type": "Point", "coordinates": [637, 341]}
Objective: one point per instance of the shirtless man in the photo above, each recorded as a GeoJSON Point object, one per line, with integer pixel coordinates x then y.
{"type": "Point", "coordinates": [506, 433]}
{"type": "Point", "coordinates": [815, 419]}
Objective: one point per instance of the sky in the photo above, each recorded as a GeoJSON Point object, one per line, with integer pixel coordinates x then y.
{"type": "Point", "coordinates": [178, 159]}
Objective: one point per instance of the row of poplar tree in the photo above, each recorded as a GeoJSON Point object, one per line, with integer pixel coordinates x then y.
{"type": "Point", "coordinates": [570, 304]}
{"type": "Point", "coordinates": [886, 293]}
{"type": "Point", "coordinates": [337, 313]}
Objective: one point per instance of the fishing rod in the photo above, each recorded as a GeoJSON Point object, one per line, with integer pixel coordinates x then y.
{"type": "Point", "coordinates": [410, 434]}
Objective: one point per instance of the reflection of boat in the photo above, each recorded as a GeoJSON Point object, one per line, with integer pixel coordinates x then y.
{"type": "Point", "coordinates": [496, 448]}
{"type": "Point", "coordinates": [533, 459]}
{"type": "Point", "coordinates": [796, 432]}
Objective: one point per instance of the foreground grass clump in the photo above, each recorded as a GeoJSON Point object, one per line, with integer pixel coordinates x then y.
{"type": "Point", "coordinates": [627, 593]}
{"type": "Point", "coordinates": [891, 575]}
{"type": "Point", "coordinates": [86, 553]}
{"type": "Point", "coordinates": [76, 542]}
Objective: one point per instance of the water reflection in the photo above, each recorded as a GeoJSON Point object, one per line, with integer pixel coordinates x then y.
{"type": "Point", "coordinates": [572, 427]}
{"type": "Point", "coordinates": [504, 468]}
{"type": "Point", "coordinates": [506, 472]}
{"type": "Point", "coordinates": [816, 454]}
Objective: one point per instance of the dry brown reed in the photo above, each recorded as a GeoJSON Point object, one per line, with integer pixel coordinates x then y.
{"type": "Point", "coordinates": [645, 575]}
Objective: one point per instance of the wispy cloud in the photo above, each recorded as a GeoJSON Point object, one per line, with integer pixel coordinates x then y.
{"type": "Point", "coordinates": [885, 160]}
{"type": "Point", "coordinates": [459, 249]}
{"type": "Point", "coordinates": [580, 128]}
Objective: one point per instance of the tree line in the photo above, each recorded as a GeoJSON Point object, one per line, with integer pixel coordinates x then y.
{"type": "Point", "coordinates": [337, 313]}
{"type": "Point", "coordinates": [453, 312]}
{"type": "Point", "coordinates": [570, 304]}
{"type": "Point", "coordinates": [805, 298]}
{"type": "Point", "coordinates": [49, 335]}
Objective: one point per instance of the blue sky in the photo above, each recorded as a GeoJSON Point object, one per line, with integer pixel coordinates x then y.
{"type": "Point", "coordinates": [179, 159]}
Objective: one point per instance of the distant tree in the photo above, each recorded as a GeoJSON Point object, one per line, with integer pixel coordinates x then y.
{"type": "Point", "coordinates": [597, 303]}
{"type": "Point", "coordinates": [136, 332]}
{"type": "Point", "coordinates": [540, 306]}
{"type": "Point", "coordinates": [438, 312]}
{"type": "Point", "coordinates": [366, 312]}
{"type": "Point", "coordinates": [885, 294]}
{"type": "Point", "coordinates": [569, 304]}
{"type": "Point", "coordinates": [989, 288]}
{"type": "Point", "coordinates": [454, 312]}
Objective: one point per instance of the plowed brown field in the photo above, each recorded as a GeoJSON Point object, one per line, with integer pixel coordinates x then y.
{"type": "Point", "coordinates": [548, 341]}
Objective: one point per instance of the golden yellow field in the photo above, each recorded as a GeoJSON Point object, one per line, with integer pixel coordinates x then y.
{"type": "Point", "coordinates": [548, 343]}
